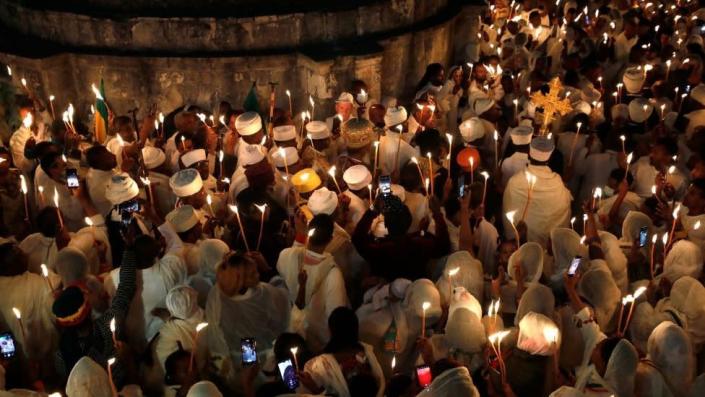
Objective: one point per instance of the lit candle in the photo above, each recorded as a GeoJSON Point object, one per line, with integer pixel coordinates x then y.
{"type": "Point", "coordinates": [310, 233]}
{"type": "Point", "coordinates": [486, 175]}
{"type": "Point", "coordinates": [262, 209]}
{"type": "Point", "coordinates": [183, 142]}
{"type": "Point", "coordinates": [597, 196]}
{"type": "Point", "coordinates": [40, 188]}
{"type": "Point", "coordinates": [331, 172]}
{"type": "Point", "coordinates": [9, 71]}
{"type": "Point", "coordinates": [418, 167]}
{"type": "Point", "coordinates": [531, 181]}
{"type": "Point", "coordinates": [147, 188]}
{"type": "Point", "coordinates": [18, 316]}
{"type": "Point", "coordinates": [619, 92]}
{"type": "Point", "coordinates": [451, 274]}
{"type": "Point", "coordinates": [282, 154]}
{"type": "Point", "coordinates": [496, 149]}
{"type": "Point", "coordinates": [497, 338]}
{"type": "Point", "coordinates": [45, 274]}
{"type": "Point", "coordinates": [113, 328]}
{"type": "Point", "coordinates": [425, 306]}
{"type": "Point", "coordinates": [313, 106]}
{"type": "Point", "coordinates": [161, 121]}
{"type": "Point", "coordinates": [51, 106]}
{"type": "Point", "coordinates": [376, 145]}
{"type": "Point", "coordinates": [23, 188]}
{"type": "Point", "coordinates": [516, 110]}
{"type": "Point", "coordinates": [295, 350]}
{"type": "Point", "coordinates": [664, 241]}
{"type": "Point", "coordinates": [449, 137]}
{"type": "Point", "coordinates": [58, 212]}
{"type": "Point", "coordinates": [654, 238]}
{"type": "Point", "coordinates": [575, 141]}
{"type": "Point", "coordinates": [209, 201]}
{"type": "Point", "coordinates": [199, 328]}
{"type": "Point", "coordinates": [623, 139]}
{"type": "Point", "coordinates": [633, 299]}
{"type": "Point", "coordinates": [111, 361]}
{"type": "Point", "coordinates": [369, 188]}
{"type": "Point", "coordinates": [510, 217]}
{"type": "Point", "coordinates": [668, 68]}
{"type": "Point", "coordinates": [288, 94]}
{"type": "Point", "coordinates": [572, 223]}
{"type": "Point", "coordinates": [673, 226]}
{"type": "Point", "coordinates": [630, 156]}
{"type": "Point", "coordinates": [234, 209]}
{"type": "Point", "coordinates": [430, 169]}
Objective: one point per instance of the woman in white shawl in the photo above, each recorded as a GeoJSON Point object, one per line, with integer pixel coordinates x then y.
{"type": "Point", "coordinates": [464, 332]}
{"type": "Point", "coordinates": [684, 259]}
{"type": "Point", "coordinates": [348, 366]}
{"type": "Point", "coordinates": [449, 96]}
{"type": "Point", "coordinates": [688, 298]}
{"type": "Point", "coordinates": [615, 259]}
{"type": "Point", "coordinates": [240, 306]}
{"type": "Point", "coordinates": [181, 302]}
{"type": "Point", "coordinates": [469, 274]}
{"type": "Point", "coordinates": [451, 383]}
{"type": "Point", "coordinates": [88, 379]}
{"type": "Point", "coordinates": [670, 352]}
{"type": "Point", "coordinates": [565, 245]}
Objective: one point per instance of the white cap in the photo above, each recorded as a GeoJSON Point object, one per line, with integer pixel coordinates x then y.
{"type": "Point", "coordinates": [472, 129]}
{"type": "Point", "coordinates": [583, 107]}
{"type": "Point", "coordinates": [698, 94]}
{"type": "Point", "coordinates": [521, 134]}
{"type": "Point", "coordinates": [357, 177]}
{"type": "Point", "coordinates": [344, 97]}
{"type": "Point", "coordinates": [251, 155]}
{"type": "Point", "coordinates": [541, 148]}
{"type": "Point", "coordinates": [248, 123]}
{"type": "Point", "coordinates": [290, 157]}
{"type": "Point", "coordinates": [121, 188]}
{"type": "Point", "coordinates": [640, 110]}
{"type": "Point", "coordinates": [481, 105]}
{"type": "Point", "coordinates": [204, 388]}
{"type": "Point", "coordinates": [193, 157]}
{"type": "Point", "coordinates": [186, 182]}
{"type": "Point", "coordinates": [323, 201]}
{"type": "Point", "coordinates": [284, 133]}
{"type": "Point", "coordinates": [633, 79]}
{"type": "Point", "coordinates": [183, 218]}
{"type": "Point", "coordinates": [318, 129]}
{"type": "Point", "coordinates": [395, 115]}
{"type": "Point", "coordinates": [153, 157]}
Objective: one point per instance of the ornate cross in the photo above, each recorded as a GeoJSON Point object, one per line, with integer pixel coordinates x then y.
{"type": "Point", "coordinates": [551, 103]}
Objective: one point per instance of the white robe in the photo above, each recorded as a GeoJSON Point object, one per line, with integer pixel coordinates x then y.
{"type": "Point", "coordinates": [388, 145]}
{"type": "Point", "coordinates": [18, 140]}
{"type": "Point", "coordinates": [97, 182]}
{"type": "Point", "coordinates": [325, 291]}
{"type": "Point", "coordinates": [549, 207]}
{"type": "Point", "coordinates": [71, 208]}
{"type": "Point", "coordinates": [356, 210]}
{"type": "Point", "coordinates": [516, 163]}
{"type": "Point", "coordinates": [645, 177]}
{"type": "Point", "coordinates": [326, 372]}
{"type": "Point", "coordinates": [153, 284]}
{"type": "Point", "coordinates": [164, 196]}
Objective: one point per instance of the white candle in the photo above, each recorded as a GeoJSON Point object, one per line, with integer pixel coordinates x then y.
{"type": "Point", "coordinates": [510, 217]}
{"type": "Point", "coordinates": [23, 188]}
{"type": "Point", "coordinates": [111, 361]}
{"type": "Point", "coordinates": [486, 175]}
{"type": "Point", "coordinates": [293, 351]}
{"type": "Point", "coordinates": [425, 306]}
{"type": "Point", "coordinates": [113, 328]}
{"type": "Point", "coordinates": [199, 328]}
{"type": "Point", "coordinates": [56, 204]}
{"type": "Point", "coordinates": [331, 172]}
{"type": "Point", "coordinates": [451, 274]}
{"type": "Point", "coordinates": [45, 274]}
{"type": "Point", "coordinates": [288, 94]}
{"type": "Point", "coordinates": [234, 209]}
{"type": "Point", "coordinates": [262, 209]}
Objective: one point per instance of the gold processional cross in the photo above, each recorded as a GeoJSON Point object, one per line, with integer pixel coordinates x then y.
{"type": "Point", "coordinates": [551, 103]}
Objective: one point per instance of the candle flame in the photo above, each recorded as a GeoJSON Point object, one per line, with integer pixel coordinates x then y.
{"type": "Point", "coordinates": [112, 325]}
{"type": "Point", "coordinates": [485, 174]}
{"type": "Point", "coordinates": [209, 199]}
{"type": "Point", "coordinates": [310, 100]}
{"type": "Point", "coordinates": [294, 350]}
{"type": "Point", "coordinates": [672, 169]}
{"type": "Point", "coordinates": [233, 208]}
{"type": "Point", "coordinates": [622, 138]}
{"type": "Point", "coordinates": [630, 156]}
{"type": "Point", "coordinates": [288, 93]}
{"type": "Point", "coordinates": [156, 122]}
{"type": "Point", "coordinates": [664, 239]}
{"type": "Point", "coordinates": [331, 171]}
{"type": "Point", "coordinates": [51, 98]}
{"type": "Point", "coordinates": [696, 226]}
{"type": "Point", "coordinates": [161, 117]}
{"type": "Point", "coordinates": [145, 180]}
{"type": "Point", "coordinates": [496, 135]}
{"type": "Point", "coordinates": [414, 160]}
{"type": "Point", "coordinates": [56, 198]}
{"type": "Point", "coordinates": [311, 232]}
{"type": "Point", "coordinates": [200, 327]}
{"type": "Point", "coordinates": [111, 361]}
{"type": "Point", "coordinates": [88, 221]}
{"type": "Point", "coordinates": [96, 91]}
{"type": "Point", "coordinates": [394, 361]}
{"type": "Point", "coordinates": [510, 216]}
{"type": "Point", "coordinates": [639, 291]}
{"type": "Point", "coordinates": [202, 117]}
{"type": "Point", "coordinates": [9, 71]}
{"type": "Point", "coordinates": [23, 184]}
{"type": "Point", "coordinates": [45, 270]}
{"type": "Point", "coordinates": [261, 208]}
{"type": "Point", "coordinates": [676, 211]}
{"type": "Point", "coordinates": [425, 306]}
{"type": "Point", "coordinates": [598, 192]}
{"type": "Point", "coordinates": [453, 272]}
{"type": "Point", "coordinates": [654, 238]}
{"type": "Point", "coordinates": [24, 82]}
{"type": "Point", "coordinates": [221, 155]}
{"type": "Point", "coordinates": [17, 312]}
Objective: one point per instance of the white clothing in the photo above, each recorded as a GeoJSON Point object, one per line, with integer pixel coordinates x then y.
{"type": "Point", "coordinates": [18, 140]}
{"type": "Point", "coordinates": [326, 372]}
{"type": "Point", "coordinates": [388, 145]}
{"type": "Point", "coordinates": [71, 208]}
{"type": "Point", "coordinates": [514, 164]}
{"type": "Point", "coordinates": [356, 210]}
{"type": "Point", "coordinates": [97, 182]}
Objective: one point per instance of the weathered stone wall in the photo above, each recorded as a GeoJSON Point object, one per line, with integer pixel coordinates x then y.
{"type": "Point", "coordinates": [391, 70]}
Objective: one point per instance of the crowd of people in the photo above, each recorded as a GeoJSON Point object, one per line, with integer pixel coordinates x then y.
{"type": "Point", "coordinates": [529, 223]}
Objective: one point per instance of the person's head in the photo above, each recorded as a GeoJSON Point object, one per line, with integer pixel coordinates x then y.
{"type": "Point", "coordinates": [430, 141]}
{"type": "Point", "coordinates": [435, 74]}
{"type": "Point", "coordinates": [100, 158]}
{"type": "Point", "coordinates": [397, 217]}
{"type": "Point", "coordinates": [183, 141]}
{"type": "Point", "coordinates": [505, 249]}
{"type": "Point", "coordinates": [695, 197]}
{"type": "Point", "coordinates": [13, 261]}
{"type": "Point", "coordinates": [176, 369]}
{"type": "Point", "coordinates": [322, 226]}
{"type": "Point", "coordinates": [48, 222]}
{"type": "Point", "coordinates": [236, 273]}
{"type": "Point", "coordinates": [58, 131]}
{"type": "Point", "coordinates": [535, 19]}
{"type": "Point", "coordinates": [602, 352]}
{"type": "Point", "coordinates": [73, 311]}
{"type": "Point", "coordinates": [344, 109]}
{"type": "Point", "coordinates": [362, 385]}
{"type": "Point", "coordinates": [401, 385]}
{"type": "Point", "coordinates": [53, 165]}
{"type": "Point", "coordinates": [147, 250]}
{"type": "Point", "coordinates": [480, 72]}
{"type": "Point", "coordinates": [193, 234]}
{"type": "Point", "coordinates": [224, 107]}
{"type": "Point", "coordinates": [186, 122]}
{"type": "Point", "coordinates": [615, 178]}
{"type": "Point", "coordinates": [630, 27]}
{"type": "Point", "coordinates": [376, 113]}
{"type": "Point", "coordinates": [662, 152]}
{"type": "Point", "coordinates": [344, 330]}
{"type": "Point", "coordinates": [124, 128]}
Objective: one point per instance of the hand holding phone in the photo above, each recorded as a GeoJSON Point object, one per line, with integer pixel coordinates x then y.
{"type": "Point", "coordinates": [72, 178]}
{"type": "Point", "coordinates": [7, 345]}
{"type": "Point", "coordinates": [385, 185]}
{"type": "Point", "coordinates": [574, 265]}
{"type": "Point", "coordinates": [643, 236]}
{"type": "Point", "coordinates": [288, 374]}
{"type": "Point", "coordinates": [248, 346]}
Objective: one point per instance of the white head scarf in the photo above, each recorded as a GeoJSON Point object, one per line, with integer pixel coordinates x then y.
{"type": "Point", "coordinates": [670, 350]}
{"type": "Point", "coordinates": [633, 223]}
{"type": "Point", "coordinates": [538, 335]}
{"type": "Point", "coordinates": [182, 302]}
{"type": "Point", "coordinates": [464, 331]}
{"type": "Point", "coordinates": [463, 299]}
{"type": "Point", "coordinates": [621, 369]}
{"type": "Point", "coordinates": [469, 276]}
{"type": "Point", "coordinates": [417, 293]}
{"type": "Point", "coordinates": [684, 259]}
{"type": "Point", "coordinates": [204, 388]}
{"type": "Point", "coordinates": [650, 382]}
{"type": "Point", "coordinates": [565, 244]}
{"type": "Point", "coordinates": [688, 297]}
{"type": "Point", "coordinates": [537, 298]}
{"type": "Point", "coordinates": [531, 257]}
{"type": "Point", "coordinates": [87, 379]}
{"type": "Point", "coordinates": [211, 253]}
{"type": "Point", "coordinates": [598, 287]}
{"type": "Point", "coordinates": [451, 383]}
{"type": "Point", "coordinates": [644, 320]}
{"type": "Point", "coordinates": [615, 259]}
{"type": "Point", "coordinates": [71, 265]}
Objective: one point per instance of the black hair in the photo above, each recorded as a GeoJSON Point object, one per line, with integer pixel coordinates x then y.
{"type": "Point", "coordinates": [146, 248]}
{"type": "Point", "coordinates": [429, 141]}
{"type": "Point", "coordinates": [699, 184]}
{"type": "Point", "coordinates": [669, 144]}
{"type": "Point", "coordinates": [93, 154]}
{"type": "Point", "coordinates": [47, 161]}
{"type": "Point", "coordinates": [48, 222]}
{"type": "Point", "coordinates": [607, 346]}
{"type": "Point", "coordinates": [324, 226]}
{"type": "Point", "coordinates": [362, 385]}
{"type": "Point", "coordinates": [618, 175]}
{"type": "Point", "coordinates": [344, 330]}
{"type": "Point", "coordinates": [409, 177]}
{"type": "Point", "coordinates": [431, 71]}
{"type": "Point", "coordinates": [284, 343]}
{"type": "Point", "coordinates": [171, 362]}
{"type": "Point", "coordinates": [398, 385]}
{"type": "Point", "coordinates": [397, 217]}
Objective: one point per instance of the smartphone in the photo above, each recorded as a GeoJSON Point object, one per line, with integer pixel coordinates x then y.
{"type": "Point", "coordinates": [643, 236]}
{"type": "Point", "coordinates": [423, 375]}
{"type": "Point", "coordinates": [72, 178]}
{"type": "Point", "coordinates": [574, 264]}
{"type": "Point", "coordinates": [7, 345]}
{"type": "Point", "coordinates": [126, 210]}
{"type": "Point", "coordinates": [461, 186]}
{"type": "Point", "coordinates": [385, 185]}
{"type": "Point", "coordinates": [248, 346]}
{"type": "Point", "coordinates": [288, 374]}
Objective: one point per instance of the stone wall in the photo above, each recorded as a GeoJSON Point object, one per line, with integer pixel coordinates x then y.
{"type": "Point", "coordinates": [391, 69]}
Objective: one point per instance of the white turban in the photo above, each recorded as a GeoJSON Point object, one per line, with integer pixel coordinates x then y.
{"type": "Point", "coordinates": [284, 133]}
{"type": "Point", "coordinates": [289, 157]}
{"type": "Point", "coordinates": [252, 154]}
{"type": "Point", "coordinates": [472, 129]}
{"type": "Point", "coordinates": [598, 287]}
{"type": "Point", "coordinates": [537, 298]}
{"type": "Point", "coordinates": [633, 223]}
{"type": "Point", "coordinates": [684, 259]}
{"type": "Point", "coordinates": [565, 244]}
{"type": "Point", "coordinates": [698, 94]}
{"type": "Point", "coordinates": [121, 188]}
{"type": "Point", "coordinates": [464, 331]}
{"type": "Point", "coordinates": [71, 265]}
{"type": "Point", "coordinates": [615, 259]}
{"type": "Point", "coordinates": [470, 275]}
{"type": "Point", "coordinates": [481, 105]}
{"type": "Point", "coordinates": [182, 302]}
{"type": "Point", "coordinates": [521, 134]}
{"type": "Point", "coordinates": [394, 116]}
{"type": "Point", "coordinates": [192, 157]}
{"type": "Point", "coordinates": [204, 388]}
{"type": "Point", "coordinates": [317, 130]}
{"type": "Point", "coordinates": [621, 368]}
{"type": "Point", "coordinates": [670, 349]}
{"type": "Point", "coordinates": [462, 299]}
{"type": "Point", "coordinates": [633, 79]}
{"type": "Point", "coordinates": [186, 182]}
{"type": "Point", "coordinates": [688, 297]}
{"type": "Point", "coordinates": [640, 110]}
{"type": "Point", "coordinates": [183, 218]}
{"type": "Point", "coordinates": [530, 255]}
{"type": "Point", "coordinates": [248, 123]}
{"type": "Point", "coordinates": [323, 201]}
{"type": "Point", "coordinates": [153, 157]}
{"type": "Point", "coordinates": [88, 379]}
{"type": "Point", "coordinates": [357, 177]}
{"type": "Point", "coordinates": [538, 335]}
{"type": "Point", "coordinates": [420, 291]}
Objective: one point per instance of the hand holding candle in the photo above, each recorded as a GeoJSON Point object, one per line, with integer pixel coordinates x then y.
{"type": "Point", "coordinates": [331, 172]}
{"type": "Point", "coordinates": [199, 328]}
{"type": "Point", "coordinates": [23, 188]}
{"type": "Point", "coordinates": [425, 306]}
{"type": "Point", "coordinates": [293, 351]}
{"type": "Point", "coordinates": [234, 209]}
{"type": "Point", "coordinates": [510, 217]}
{"type": "Point", "coordinates": [262, 209]}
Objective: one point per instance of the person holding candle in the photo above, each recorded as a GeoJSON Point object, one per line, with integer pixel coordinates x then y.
{"type": "Point", "coordinates": [31, 131]}
{"type": "Point", "coordinates": [517, 161]}
{"type": "Point", "coordinates": [123, 139]}
{"type": "Point", "coordinates": [102, 164]}
{"type": "Point", "coordinates": [241, 306]}
{"type": "Point", "coordinates": [319, 150]}
{"type": "Point", "coordinates": [394, 147]}
{"type": "Point", "coordinates": [12, 198]}
{"type": "Point", "coordinates": [158, 174]}
{"type": "Point", "coordinates": [652, 169]}
{"type": "Point", "coordinates": [357, 178]}
{"type": "Point", "coordinates": [316, 284]}
{"type": "Point", "coordinates": [51, 174]}
{"type": "Point", "coordinates": [88, 378]}
{"type": "Point", "coordinates": [344, 111]}
{"type": "Point", "coordinates": [81, 335]}
{"type": "Point", "coordinates": [551, 199]}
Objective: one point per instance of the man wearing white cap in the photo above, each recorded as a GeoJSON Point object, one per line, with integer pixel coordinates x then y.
{"type": "Point", "coordinates": [633, 80]}
{"type": "Point", "coordinates": [319, 151]}
{"type": "Point", "coordinates": [357, 177]}
{"type": "Point", "coordinates": [284, 135]}
{"type": "Point", "coordinates": [182, 231]}
{"type": "Point", "coordinates": [344, 107]}
{"type": "Point", "coordinates": [521, 138]}
{"type": "Point", "coordinates": [472, 130]}
{"type": "Point", "coordinates": [198, 160]}
{"type": "Point", "coordinates": [158, 171]}
{"type": "Point", "coordinates": [394, 150]}
{"type": "Point", "coordinates": [550, 199]}
{"type": "Point", "coordinates": [188, 187]}
{"type": "Point", "coordinates": [249, 127]}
